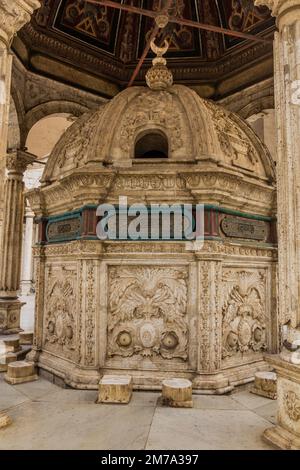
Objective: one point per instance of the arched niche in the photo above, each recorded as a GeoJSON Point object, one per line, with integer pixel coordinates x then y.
{"type": "Point", "coordinates": [151, 144]}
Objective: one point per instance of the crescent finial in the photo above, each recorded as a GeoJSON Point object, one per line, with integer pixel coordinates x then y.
{"type": "Point", "coordinates": [159, 51]}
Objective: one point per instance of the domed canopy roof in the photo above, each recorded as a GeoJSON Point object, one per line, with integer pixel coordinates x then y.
{"type": "Point", "coordinates": [195, 129]}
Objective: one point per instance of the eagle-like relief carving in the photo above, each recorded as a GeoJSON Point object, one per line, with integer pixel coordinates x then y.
{"type": "Point", "coordinates": [147, 312]}
{"type": "Point", "coordinates": [244, 327]}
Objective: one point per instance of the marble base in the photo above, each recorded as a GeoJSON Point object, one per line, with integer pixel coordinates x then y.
{"type": "Point", "coordinates": [177, 393]}
{"type": "Point", "coordinates": [281, 438]}
{"type": "Point", "coordinates": [10, 311]}
{"type": "Point", "coordinates": [4, 420]}
{"type": "Point", "coordinates": [26, 338]}
{"type": "Point", "coordinates": [20, 372]}
{"type": "Point", "coordinates": [115, 389]}
{"type": "Point", "coordinates": [265, 385]}
{"type": "Point", "coordinates": [286, 435]}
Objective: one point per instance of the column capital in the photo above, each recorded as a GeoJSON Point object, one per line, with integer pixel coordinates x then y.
{"type": "Point", "coordinates": [17, 161]}
{"type": "Point", "coordinates": [14, 14]}
{"type": "Point", "coordinates": [279, 7]}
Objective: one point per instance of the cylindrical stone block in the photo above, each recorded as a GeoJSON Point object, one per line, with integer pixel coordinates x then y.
{"type": "Point", "coordinates": [265, 385]}
{"type": "Point", "coordinates": [115, 389]}
{"type": "Point", "coordinates": [177, 393]}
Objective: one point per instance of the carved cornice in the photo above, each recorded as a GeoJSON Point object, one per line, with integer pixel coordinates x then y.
{"type": "Point", "coordinates": [14, 14]}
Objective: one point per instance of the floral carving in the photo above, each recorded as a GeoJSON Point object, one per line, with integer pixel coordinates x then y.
{"type": "Point", "coordinates": [90, 315]}
{"type": "Point", "coordinates": [152, 109]}
{"type": "Point", "coordinates": [14, 15]}
{"type": "Point", "coordinates": [147, 312]}
{"type": "Point", "coordinates": [60, 311]}
{"type": "Point", "coordinates": [244, 327]}
{"type": "Point", "coordinates": [292, 405]}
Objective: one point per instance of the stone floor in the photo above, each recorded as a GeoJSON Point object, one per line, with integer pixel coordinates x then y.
{"type": "Point", "coordinates": [48, 417]}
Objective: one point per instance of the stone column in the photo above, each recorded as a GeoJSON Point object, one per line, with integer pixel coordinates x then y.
{"type": "Point", "coordinates": [287, 97]}
{"type": "Point", "coordinates": [14, 14]}
{"type": "Point", "coordinates": [11, 243]}
{"type": "Point", "coordinates": [26, 282]}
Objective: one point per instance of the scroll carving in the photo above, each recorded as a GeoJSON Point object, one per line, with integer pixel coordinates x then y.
{"type": "Point", "coordinates": [60, 311]}
{"type": "Point", "coordinates": [148, 312]}
{"type": "Point", "coordinates": [244, 322]}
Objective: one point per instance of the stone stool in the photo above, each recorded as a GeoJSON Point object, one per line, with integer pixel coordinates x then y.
{"type": "Point", "coordinates": [177, 393]}
{"type": "Point", "coordinates": [115, 389]}
{"type": "Point", "coordinates": [265, 385]}
{"type": "Point", "coordinates": [20, 372]}
{"type": "Point", "coordinates": [6, 359]}
{"type": "Point", "coordinates": [4, 420]}
{"type": "Point", "coordinates": [26, 338]}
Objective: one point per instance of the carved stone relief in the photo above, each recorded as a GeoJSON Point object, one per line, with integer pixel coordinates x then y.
{"type": "Point", "coordinates": [156, 110]}
{"type": "Point", "coordinates": [60, 319]}
{"type": "Point", "coordinates": [244, 312]}
{"type": "Point", "coordinates": [292, 405]}
{"type": "Point", "coordinates": [233, 141]}
{"type": "Point", "coordinates": [148, 312]}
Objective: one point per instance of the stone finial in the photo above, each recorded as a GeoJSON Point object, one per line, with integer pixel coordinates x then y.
{"type": "Point", "coordinates": [159, 77]}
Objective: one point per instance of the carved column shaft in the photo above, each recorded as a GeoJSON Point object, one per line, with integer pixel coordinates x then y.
{"type": "Point", "coordinates": [287, 98]}
{"type": "Point", "coordinates": [11, 243]}
{"type": "Point", "coordinates": [12, 229]}
{"type": "Point", "coordinates": [14, 14]}
{"type": "Point", "coordinates": [286, 435]}
{"type": "Point", "coordinates": [287, 78]}
{"type": "Point", "coordinates": [5, 82]}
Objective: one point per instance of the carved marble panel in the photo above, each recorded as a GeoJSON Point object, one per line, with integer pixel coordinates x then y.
{"type": "Point", "coordinates": [244, 313]}
{"type": "Point", "coordinates": [147, 312]}
{"type": "Point", "coordinates": [60, 315]}
{"type": "Point", "coordinates": [289, 405]}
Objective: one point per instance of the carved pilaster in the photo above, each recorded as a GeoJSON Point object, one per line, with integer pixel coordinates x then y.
{"type": "Point", "coordinates": [210, 315]}
{"type": "Point", "coordinates": [39, 254]}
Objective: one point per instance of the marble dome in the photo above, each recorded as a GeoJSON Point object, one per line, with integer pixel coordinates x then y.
{"type": "Point", "coordinates": [193, 128]}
